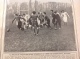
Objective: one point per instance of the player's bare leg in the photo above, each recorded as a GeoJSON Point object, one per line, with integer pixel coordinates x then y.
{"type": "Point", "coordinates": [37, 30]}
{"type": "Point", "coordinates": [34, 31]}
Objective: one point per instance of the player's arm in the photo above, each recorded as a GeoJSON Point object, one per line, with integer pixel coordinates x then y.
{"type": "Point", "coordinates": [61, 15]}
{"type": "Point", "coordinates": [23, 19]}
{"type": "Point", "coordinates": [13, 20]}
{"type": "Point", "coordinates": [67, 14]}
{"type": "Point", "coordinates": [58, 13]}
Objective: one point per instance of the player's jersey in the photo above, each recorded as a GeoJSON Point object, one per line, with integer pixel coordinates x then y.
{"type": "Point", "coordinates": [57, 16]}
{"type": "Point", "coordinates": [47, 18]}
{"type": "Point", "coordinates": [17, 18]}
{"type": "Point", "coordinates": [34, 20]}
{"type": "Point", "coordinates": [53, 15]}
{"type": "Point", "coordinates": [34, 17]}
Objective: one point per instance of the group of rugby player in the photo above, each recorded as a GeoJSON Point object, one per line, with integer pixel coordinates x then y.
{"type": "Point", "coordinates": [38, 20]}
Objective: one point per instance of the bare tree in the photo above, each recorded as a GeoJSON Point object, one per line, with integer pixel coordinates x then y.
{"type": "Point", "coordinates": [30, 7]}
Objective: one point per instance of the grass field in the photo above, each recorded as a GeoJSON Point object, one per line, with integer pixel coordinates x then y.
{"type": "Point", "coordinates": [47, 40]}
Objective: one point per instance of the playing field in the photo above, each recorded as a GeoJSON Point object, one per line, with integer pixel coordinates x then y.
{"type": "Point", "coordinates": [48, 40]}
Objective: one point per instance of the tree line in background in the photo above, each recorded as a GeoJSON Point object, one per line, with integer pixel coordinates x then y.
{"type": "Point", "coordinates": [27, 8]}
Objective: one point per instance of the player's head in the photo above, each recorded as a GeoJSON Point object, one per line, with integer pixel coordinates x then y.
{"type": "Point", "coordinates": [55, 12]}
{"type": "Point", "coordinates": [44, 13]}
{"type": "Point", "coordinates": [16, 14]}
{"type": "Point", "coordinates": [62, 11]}
{"type": "Point", "coordinates": [38, 12]}
{"type": "Point", "coordinates": [23, 14]}
{"type": "Point", "coordinates": [20, 15]}
{"type": "Point", "coordinates": [34, 12]}
{"type": "Point", "coordinates": [51, 10]}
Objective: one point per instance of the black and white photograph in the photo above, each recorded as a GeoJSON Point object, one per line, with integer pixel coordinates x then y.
{"type": "Point", "coordinates": [39, 26]}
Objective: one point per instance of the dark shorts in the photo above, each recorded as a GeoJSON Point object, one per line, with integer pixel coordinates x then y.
{"type": "Point", "coordinates": [19, 24]}
{"type": "Point", "coordinates": [35, 24]}
{"type": "Point", "coordinates": [53, 20]}
{"type": "Point", "coordinates": [30, 22]}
